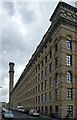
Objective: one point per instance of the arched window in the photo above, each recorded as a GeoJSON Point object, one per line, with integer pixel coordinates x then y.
{"type": "Point", "coordinates": [69, 77]}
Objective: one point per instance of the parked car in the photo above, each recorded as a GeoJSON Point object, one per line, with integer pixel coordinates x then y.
{"type": "Point", "coordinates": [8, 115]}
{"type": "Point", "coordinates": [21, 109]}
{"type": "Point", "coordinates": [26, 111]}
{"type": "Point", "coordinates": [13, 109]}
{"type": "Point", "coordinates": [33, 113]}
{"type": "Point", "coordinates": [68, 116]}
{"type": "Point", "coordinates": [4, 110]}
{"type": "Point", "coordinates": [52, 115]}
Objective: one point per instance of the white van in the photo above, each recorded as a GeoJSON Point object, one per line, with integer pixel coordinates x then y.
{"type": "Point", "coordinates": [20, 108]}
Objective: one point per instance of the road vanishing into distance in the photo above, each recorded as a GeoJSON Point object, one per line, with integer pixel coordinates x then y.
{"type": "Point", "coordinates": [23, 116]}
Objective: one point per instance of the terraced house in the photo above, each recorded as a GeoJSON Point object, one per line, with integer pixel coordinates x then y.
{"type": "Point", "coordinates": [49, 81]}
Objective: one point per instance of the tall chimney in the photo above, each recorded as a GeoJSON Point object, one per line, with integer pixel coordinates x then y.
{"type": "Point", "coordinates": [11, 76]}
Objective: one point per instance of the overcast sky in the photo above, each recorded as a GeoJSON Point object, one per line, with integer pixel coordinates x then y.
{"type": "Point", "coordinates": [23, 26]}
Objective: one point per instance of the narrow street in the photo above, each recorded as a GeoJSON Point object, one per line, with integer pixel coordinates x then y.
{"type": "Point", "coordinates": [23, 116]}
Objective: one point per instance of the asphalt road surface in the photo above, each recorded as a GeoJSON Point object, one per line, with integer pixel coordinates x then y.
{"type": "Point", "coordinates": [22, 116]}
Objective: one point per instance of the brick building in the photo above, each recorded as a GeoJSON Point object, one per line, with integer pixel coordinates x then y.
{"type": "Point", "coordinates": [49, 81]}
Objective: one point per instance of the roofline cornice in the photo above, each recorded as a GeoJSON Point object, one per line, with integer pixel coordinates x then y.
{"type": "Point", "coordinates": [65, 5]}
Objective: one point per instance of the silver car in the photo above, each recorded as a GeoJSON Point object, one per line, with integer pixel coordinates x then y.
{"type": "Point", "coordinates": [33, 113]}
{"type": "Point", "coordinates": [8, 114]}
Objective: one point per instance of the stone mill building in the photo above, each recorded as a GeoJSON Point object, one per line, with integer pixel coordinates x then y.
{"type": "Point", "coordinates": [49, 81]}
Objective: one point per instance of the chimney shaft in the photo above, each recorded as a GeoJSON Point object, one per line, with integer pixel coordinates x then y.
{"type": "Point", "coordinates": [11, 76]}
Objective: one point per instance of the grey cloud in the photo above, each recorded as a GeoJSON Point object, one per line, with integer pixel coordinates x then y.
{"type": "Point", "coordinates": [20, 48]}
{"type": "Point", "coordinates": [76, 4]}
{"type": "Point", "coordinates": [27, 16]}
{"type": "Point", "coordinates": [4, 91]}
{"type": "Point", "coordinates": [5, 95]}
{"type": "Point", "coordinates": [9, 7]}
{"type": "Point", "coordinates": [13, 40]}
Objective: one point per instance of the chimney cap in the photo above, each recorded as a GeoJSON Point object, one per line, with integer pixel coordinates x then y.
{"type": "Point", "coordinates": [11, 63]}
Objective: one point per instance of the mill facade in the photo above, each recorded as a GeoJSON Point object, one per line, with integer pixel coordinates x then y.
{"type": "Point", "coordinates": [49, 81]}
